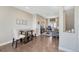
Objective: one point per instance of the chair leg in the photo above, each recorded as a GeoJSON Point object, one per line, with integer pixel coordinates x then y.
{"type": "Point", "coordinates": [16, 44]}
{"type": "Point", "coordinates": [56, 37]}
{"type": "Point", "coordinates": [35, 36]}
{"type": "Point", "coordinates": [28, 39]}
{"type": "Point", "coordinates": [31, 37]}
{"type": "Point", "coordinates": [13, 42]}
{"type": "Point", "coordinates": [21, 40]}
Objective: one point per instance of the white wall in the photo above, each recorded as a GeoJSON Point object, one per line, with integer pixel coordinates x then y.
{"type": "Point", "coordinates": [8, 16]}
{"type": "Point", "coordinates": [68, 41]}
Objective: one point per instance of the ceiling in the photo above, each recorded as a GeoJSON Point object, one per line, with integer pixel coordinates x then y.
{"type": "Point", "coordinates": [45, 11]}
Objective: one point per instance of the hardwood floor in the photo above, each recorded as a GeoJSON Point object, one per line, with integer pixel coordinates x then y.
{"type": "Point", "coordinates": [39, 44]}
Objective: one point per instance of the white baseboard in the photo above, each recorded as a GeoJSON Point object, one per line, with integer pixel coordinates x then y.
{"type": "Point", "coordinates": [65, 49]}
{"type": "Point", "coordinates": [5, 43]}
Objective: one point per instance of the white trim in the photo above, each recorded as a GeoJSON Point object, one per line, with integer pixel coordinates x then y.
{"type": "Point", "coordinates": [65, 49]}
{"type": "Point", "coordinates": [5, 43]}
{"type": "Point", "coordinates": [52, 17]}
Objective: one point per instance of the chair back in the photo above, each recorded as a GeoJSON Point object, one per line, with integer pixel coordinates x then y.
{"type": "Point", "coordinates": [15, 34]}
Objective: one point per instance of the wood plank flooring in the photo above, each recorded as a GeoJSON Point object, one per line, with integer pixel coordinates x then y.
{"type": "Point", "coordinates": [39, 44]}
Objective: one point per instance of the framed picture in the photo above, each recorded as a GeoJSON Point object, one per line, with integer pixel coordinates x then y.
{"type": "Point", "coordinates": [52, 19]}
{"type": "Point", "coordinates": [21, 22]}
{"type": "Point", "coordinates": [17, 21]}
{"type": "Point", "coordinates": [25, 22]}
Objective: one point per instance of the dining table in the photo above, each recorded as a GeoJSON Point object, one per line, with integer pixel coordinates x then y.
{"type": "Point", "coordinates": [28, 35]}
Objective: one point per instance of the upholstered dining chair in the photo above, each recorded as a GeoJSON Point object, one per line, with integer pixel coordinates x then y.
{"type": "Point", "coordinates": [34, 33]}
{"type": "Point", "coordinates": [55, 34]}
{"type": "Point", "coordinates": [16, 36]}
